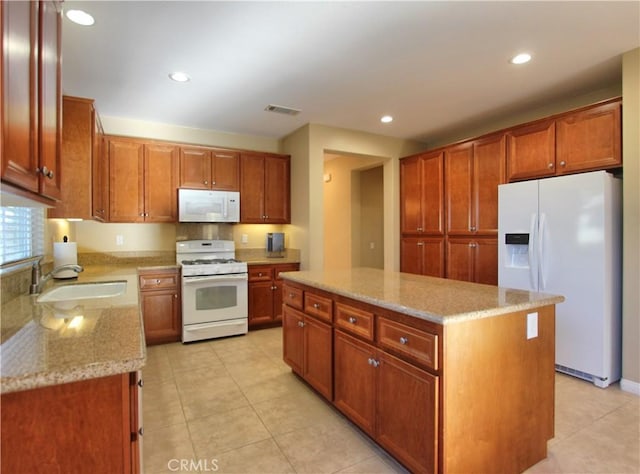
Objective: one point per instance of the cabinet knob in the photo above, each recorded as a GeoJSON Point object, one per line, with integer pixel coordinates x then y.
{"type": "Point", "coordinates": [419, 229]}
{"type": "Point", "coordinates": [420, 244]}
{"type": "Point", "coordinates": [404, 340]}
{"type": "Point", "coordinates": [266, 217]}
{"type": "Point", "coordinates": [472, 228]}
{"type": "Point", "coordinates": [259, 274]}
{"type": "Point", "coordinates": [353, 320]}
{"type": "Point", "coordinates": [301, 324]}
{"type": "Point", "coordinates": [550, 165]}
{"type": "Point", "coordinates": [274, 287]}
{"type": "Point", "coordinates": [291, 295]}
{"type": "Point", "coordinates": [46, 172]}
{"type": "Point", "coordinates": [157, 282]}
{"type": "Point", "coordinates": [213, 183]}
{"type": "Point", "coordinates": [205, 182]}
{"type": "Point", "coordinates": [316, 305]}
{"type": "Point", "coordinates": [473, 245]}
{"type": "Point", "coordinates": [175, 296]}
{"type": "Point", "coordinates": [563, 163]}
{"type": "Point", "coordinates": [373, 362]}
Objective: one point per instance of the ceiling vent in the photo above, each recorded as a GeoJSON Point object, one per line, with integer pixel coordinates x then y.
{"type": "Point", "coordinates": [279, 109]}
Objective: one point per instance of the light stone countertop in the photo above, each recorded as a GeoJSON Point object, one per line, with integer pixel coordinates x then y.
{"type": "Point", "coordinates": [40, 346]}
{"type": "Point", "coordinates": [433, 299]}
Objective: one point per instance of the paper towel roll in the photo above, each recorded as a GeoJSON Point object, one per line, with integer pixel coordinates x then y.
{"type": "Point", "coordinates": [65, 253]}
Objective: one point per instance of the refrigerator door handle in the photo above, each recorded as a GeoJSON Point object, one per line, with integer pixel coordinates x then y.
{"type": "Point", "coordinates": [533, 267]}
{"type": "Point", "coordinates": [541, 255]}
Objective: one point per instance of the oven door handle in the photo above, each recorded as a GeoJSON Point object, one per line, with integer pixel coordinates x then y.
{"type": "Point", "coordinates": [216, 278]}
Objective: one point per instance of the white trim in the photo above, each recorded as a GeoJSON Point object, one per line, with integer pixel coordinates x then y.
{"type": "Point", "coordinates": [630, 386]}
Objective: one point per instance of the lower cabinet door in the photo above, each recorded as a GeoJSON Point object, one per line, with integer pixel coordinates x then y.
{"type": "Point", "coordinates": [161, 313]}
{"type": "Point", "coordinates": [355, 380]}
{"type": "Point", "coordinates": [317, 356]}
{"type": "Point", "coordinates": [293, 339]}
{"type": "Point", "coordinates": [407, 429]}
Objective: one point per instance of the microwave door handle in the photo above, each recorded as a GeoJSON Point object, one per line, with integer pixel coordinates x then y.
{"type": "Point", "coordinates": [225, 207]}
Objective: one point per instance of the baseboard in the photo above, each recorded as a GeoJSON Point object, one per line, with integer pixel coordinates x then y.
{"type": "Point", "coordinates": [630, 386]}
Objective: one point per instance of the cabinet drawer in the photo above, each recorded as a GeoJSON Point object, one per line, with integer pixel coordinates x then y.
{"type": "Point", "coordinates": [292, 296]}
{"type": "Point", "coordinates": [354, 320]}
{"type": "Point", "coordinates": [416, 344]}
{"type": "Point", "coordinates": [260, 273]}
{"type": "Point", "coordinates": [318, 306]}
{"type": "Point", "coordinates": [154, 281]}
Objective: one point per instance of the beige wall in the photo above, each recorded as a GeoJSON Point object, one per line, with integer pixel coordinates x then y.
{"type": "Point", "coordinates": [307, 147]}
{"type": "Point", "coordinates": [631, 220]}
{"type": "Point", "coordinates": [371, 218]}
{"type": "Point", "coordinates": [342, 210]}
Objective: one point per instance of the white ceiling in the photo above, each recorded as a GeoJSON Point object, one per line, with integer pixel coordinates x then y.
{"type": "Point", "coordinates": [432, 65]}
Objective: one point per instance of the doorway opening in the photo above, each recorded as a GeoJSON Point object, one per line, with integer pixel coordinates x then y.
{"type": "Point", "coordinates": [353, 207]}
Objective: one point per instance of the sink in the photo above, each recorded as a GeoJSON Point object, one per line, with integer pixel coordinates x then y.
{"type": "Point", "coordinates": [83, 291]}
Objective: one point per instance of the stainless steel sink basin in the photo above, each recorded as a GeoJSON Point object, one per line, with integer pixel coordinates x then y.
{"type": "Point", "coordinates": [83, 291]}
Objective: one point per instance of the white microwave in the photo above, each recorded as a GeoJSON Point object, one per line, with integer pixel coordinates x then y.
{"type": "Point", "coordinates": [201, 205]}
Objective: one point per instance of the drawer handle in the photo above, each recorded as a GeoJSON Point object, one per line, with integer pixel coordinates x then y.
{"type": "Point", "coordinates": [157, 282]}
{"type": "Point", "coordinates": [404, 340]}
{"type": "Point", "coordinates": [352, 320]}
{"type": "Point", "coordinates": [316, 305]}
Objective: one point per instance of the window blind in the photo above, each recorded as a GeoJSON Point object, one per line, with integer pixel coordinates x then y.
{"type": "Point", "coordinates": [21, 233]}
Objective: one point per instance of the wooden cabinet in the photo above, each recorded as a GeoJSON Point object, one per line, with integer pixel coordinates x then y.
{"type": "Point", "coordinates": [308, 349]}
{"type": "Point", "coordinates": [586, 139]}
{"type": "Point", "coordinates": [31, 96]}
{"type": "Point", "coordinates": [161, 305]}
{"type": "Point", "coordinates": [473, 259]}
{"type": "Point", "coordinates": [87, 426]}
{"type": "Point", "coordinates": [100, 174]}
{"type": "Point", "coordinates": [142, 181]}
{"type": "Point", "coordinates": [265, 293]}
{"type": "Point", "coordinates": [378, 392]}
{"type": "Point", "coordinates": [80, 131]}
{"type": "Point", "coordinates": [423, 255]}
{"type": "Point", "coordinates": [264, 189]}
{"type": "Point", "coordinates": [473, 172]}
{"type": "Point", "coordinates": [421, 194]}
{"type": "Point", "coordinates": [206, 168]}
{"type": "Point", "coordinates": [589, 139]}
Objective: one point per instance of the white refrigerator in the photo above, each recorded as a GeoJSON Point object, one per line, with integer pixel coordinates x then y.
{"type": "Point", "coordinates": [563, 236]}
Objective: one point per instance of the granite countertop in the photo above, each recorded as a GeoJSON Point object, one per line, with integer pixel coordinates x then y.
{"type": "Point", "coordinates": [434, 299]}
{"type": "Point", "coordinates": [48, 344]}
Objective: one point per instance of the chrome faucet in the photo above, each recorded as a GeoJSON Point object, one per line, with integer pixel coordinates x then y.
{"type": "Point", "coordinates": [37, 280]}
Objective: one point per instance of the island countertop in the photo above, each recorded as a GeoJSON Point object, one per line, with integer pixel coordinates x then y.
{"type": "Point", "coordinates": [439, 300]}
{"type": "Point", "coordinates": [42, 346]}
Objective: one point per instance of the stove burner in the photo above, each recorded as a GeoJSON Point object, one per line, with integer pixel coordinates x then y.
{"type": "Point", "coordinates": [209, 261]}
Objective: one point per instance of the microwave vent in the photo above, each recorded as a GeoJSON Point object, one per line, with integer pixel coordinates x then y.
{"type": "Point", "coordinates": [280, 109]}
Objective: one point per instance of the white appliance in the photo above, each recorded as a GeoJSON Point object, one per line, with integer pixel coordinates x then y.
{"type": "Point", "coordinates": [201, 205]}
{"type": "Point", "coordinates": [562, 236]}
{"type": "Point", "coordinates": [214, 290]}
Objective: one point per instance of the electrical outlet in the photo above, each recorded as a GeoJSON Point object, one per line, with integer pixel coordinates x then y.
{"type": "Point", "coordinates": [372, 245]}
{"type": "Point", "coordinates": [244, 239]}
{"type": "Point", "coordinates": [532, 325]}
{"type": "Point", "coordinates": [119, 240]}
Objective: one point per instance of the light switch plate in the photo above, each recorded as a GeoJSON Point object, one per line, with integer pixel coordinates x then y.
{"type": "Point", "coordinates": [532, 325]}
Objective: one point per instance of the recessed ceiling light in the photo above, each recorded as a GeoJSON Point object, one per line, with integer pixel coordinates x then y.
{"type": "Point", "coordinates": [179, 77]}
{"type": "Point", "coordinates": [520, 58]}
{"type": "Point", "coordinates": [80, 17]}
{"type": "Point", "coordinates": [386, 119]}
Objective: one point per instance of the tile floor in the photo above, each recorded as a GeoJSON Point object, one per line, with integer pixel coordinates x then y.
{"type": "Point", "coordinates": [232, 406]}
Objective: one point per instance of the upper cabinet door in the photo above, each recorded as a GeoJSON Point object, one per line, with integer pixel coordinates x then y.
{"type": "Point", "coordinates": [160, 183]}
{"type": "Point", "coordinates": [195, 168]}
{"type": "Point", "coordinates": [225, 170]}
{"type": "Point", "coordinates": [252, 188]}
{"type": "Point", "coordinates": [410, 196]}
{"type": "Point", "coordinates": [50, 100]}
{"type": "Point", "coordinates": [126, 180]}
{"type": "Point", "coordinates": [19, 95]}
{"type": "Point", "coordinates": [531, 151]}
{"type": "Point", "coordinates": [421, 194]}
{"type": "Point", "coordinates": [489, 162]}
{"type": "Point", "coordinates": [458, 187]}
{"type": "Point", "coordinates": [589, 139]}
{"type": "Point", "coordinates": [276, 190]}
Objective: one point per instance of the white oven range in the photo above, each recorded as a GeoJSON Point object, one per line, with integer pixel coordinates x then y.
{"type": "Point", "coordinates": [214, 290]}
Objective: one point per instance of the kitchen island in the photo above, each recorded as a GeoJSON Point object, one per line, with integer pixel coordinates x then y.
{"type": "Point", "coordinates": [69, 379]}
{"type": "Point", "coordinates": [447, 376]}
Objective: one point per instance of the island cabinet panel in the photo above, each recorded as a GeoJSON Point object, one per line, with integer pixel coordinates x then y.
{"type": "Point", "coordinates": [88, 426]}
{"type": "Point", "coordinates": [589, 139]}
{"type": "Point", "coordinates": [512, 409]}
{"type": "Point", "coordinates": [308, 349]}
